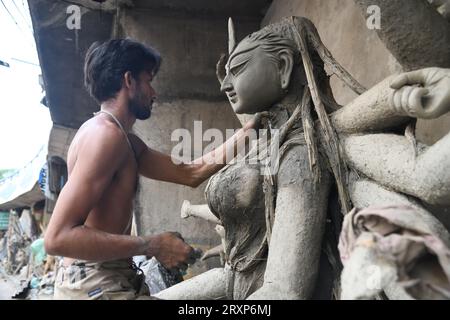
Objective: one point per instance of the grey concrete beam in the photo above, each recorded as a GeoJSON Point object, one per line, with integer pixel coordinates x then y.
{"type": "Point", "coordinates": [108, 5]}
{"type": "Point", "coordinates": [225, 8]}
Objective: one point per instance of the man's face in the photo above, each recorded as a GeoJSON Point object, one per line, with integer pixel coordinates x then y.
{"type": "Point", "coordinates": [140, 105]}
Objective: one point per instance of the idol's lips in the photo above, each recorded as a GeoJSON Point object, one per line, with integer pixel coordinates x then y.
{"type": "Point", "coordinates": [232, 96]}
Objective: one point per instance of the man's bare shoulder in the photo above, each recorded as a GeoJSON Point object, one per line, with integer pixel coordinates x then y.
{"type": "Point", "coordinates": [99, 139]}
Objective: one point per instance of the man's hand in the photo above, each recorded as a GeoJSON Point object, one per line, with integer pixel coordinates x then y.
{"type": "Point", "coordinates": [257, 121]}
{"type": "Point", "coordinates": [170, 250]}
{"type": "Point", "coordinates": [423, 93]}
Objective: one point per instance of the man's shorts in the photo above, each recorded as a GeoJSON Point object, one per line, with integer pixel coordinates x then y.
{"type": "Point", "coordinates": [111, 280]}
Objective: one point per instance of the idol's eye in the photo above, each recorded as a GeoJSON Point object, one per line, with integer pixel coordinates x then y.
{"type": "Point", "coordinates": [237, 68]}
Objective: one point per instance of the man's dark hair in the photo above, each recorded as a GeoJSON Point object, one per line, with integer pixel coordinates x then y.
{"type": "Point", "coordinates": [107, 62]}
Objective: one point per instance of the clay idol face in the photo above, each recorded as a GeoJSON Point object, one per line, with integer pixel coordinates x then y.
{"type": "Point", "coordinates": [252, 81]}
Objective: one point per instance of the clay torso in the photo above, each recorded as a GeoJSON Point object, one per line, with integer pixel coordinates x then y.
{"type": "Point", "coordinates": [236, 196]}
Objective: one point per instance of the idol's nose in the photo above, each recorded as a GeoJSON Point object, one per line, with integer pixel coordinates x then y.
{"type": "Point", "coordinates": [226, 84]}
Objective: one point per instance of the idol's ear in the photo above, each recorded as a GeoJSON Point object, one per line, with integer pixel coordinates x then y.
{"type": "Point", "coordinates": [285, 67]}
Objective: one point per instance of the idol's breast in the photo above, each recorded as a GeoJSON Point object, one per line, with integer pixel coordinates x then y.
{"type": "Point", "coordinates": [235, 194]}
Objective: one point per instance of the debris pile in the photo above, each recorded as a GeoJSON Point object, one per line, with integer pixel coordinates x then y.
{"type": "Point", "coordinates": [23, 259]}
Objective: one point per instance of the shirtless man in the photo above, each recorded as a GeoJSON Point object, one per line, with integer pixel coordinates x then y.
{"type": "Point", "coordinates": [90, 225]}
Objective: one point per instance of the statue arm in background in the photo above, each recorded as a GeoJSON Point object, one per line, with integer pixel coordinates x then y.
{"type": "Point", "coordinates": [419, 94]}
{"type": "Point", "coordinates": [372, 111]}
{"type": "Point", "coordinates": [392, 160]}
{"type": "Point", "coordinates": [422, 93]}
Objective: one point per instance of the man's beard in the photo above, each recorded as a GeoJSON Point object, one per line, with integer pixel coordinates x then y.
{"type": "Point", "coordinates": [139, 110]}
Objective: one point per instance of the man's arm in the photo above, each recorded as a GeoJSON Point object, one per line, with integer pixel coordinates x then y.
{"type": "Point", "coordinates": [159, 166]}
{"type": "Point", "coordinates": [97, 161]}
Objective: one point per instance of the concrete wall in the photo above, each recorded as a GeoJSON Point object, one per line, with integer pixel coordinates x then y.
{"type": "Point", "coordinates": [343, 30]}
{"type": "Point", "coordinates": [188, 91]}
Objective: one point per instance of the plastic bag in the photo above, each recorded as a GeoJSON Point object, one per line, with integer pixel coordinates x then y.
{"type": "Point", "coordinates": [38, 250]}
{"type": "Point", "coordinates": [157, 277]}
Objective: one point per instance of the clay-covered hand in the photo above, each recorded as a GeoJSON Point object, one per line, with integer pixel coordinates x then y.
{"type": "Point", "coordinates": [423, 93]}
{"type": "Point", "coordinates": [171, 251]}
{"type": "Point", "coordinates": [257, 121]}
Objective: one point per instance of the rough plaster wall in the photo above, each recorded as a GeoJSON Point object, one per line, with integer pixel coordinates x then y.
{"type": "Point", "coordinates": [343, 30]}
{"type": "Point", "coordinates": [190, 46]}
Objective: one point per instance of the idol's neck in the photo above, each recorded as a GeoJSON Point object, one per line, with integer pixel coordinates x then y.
{"type": "Point", "coordinates": [280, 112]}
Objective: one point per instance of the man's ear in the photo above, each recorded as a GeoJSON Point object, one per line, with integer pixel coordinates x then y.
{"type": "Point", "coordinates": [285, 67]}
{"type": "Point", "coordinates": [128, 80]}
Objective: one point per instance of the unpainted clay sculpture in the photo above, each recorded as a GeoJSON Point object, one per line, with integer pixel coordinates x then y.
{"type": "Point", "coordinates": [278, 244]}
